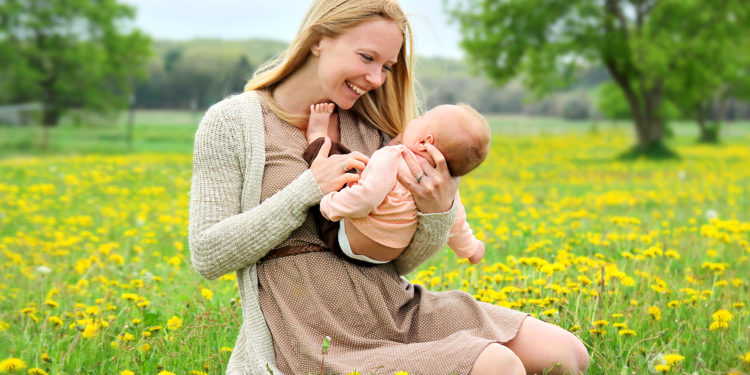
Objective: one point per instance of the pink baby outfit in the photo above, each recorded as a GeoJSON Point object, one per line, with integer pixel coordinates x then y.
{"type": "Point", "coordinates": [383, 209]}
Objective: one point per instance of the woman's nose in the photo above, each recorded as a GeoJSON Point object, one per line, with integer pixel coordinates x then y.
{"type": "Point", "coordinates": [375, 77]}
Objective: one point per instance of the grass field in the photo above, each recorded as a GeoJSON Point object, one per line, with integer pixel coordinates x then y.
{"type": "Point", "coordinates": [647, 262]}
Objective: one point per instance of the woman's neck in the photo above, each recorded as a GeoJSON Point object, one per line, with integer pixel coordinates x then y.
{"type": "Point", "coordinates": [299, 90]}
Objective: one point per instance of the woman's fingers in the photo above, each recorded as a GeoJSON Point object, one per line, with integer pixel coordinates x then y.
{"type": "Point", "coordinates": [435, 190]}
{"type": "Point", "coordinates": [331, 171]}
{"type": "Point", "coordinates": [325, 149]}
{"type": "Point", "coordinates": [405, 177]}
{"type": "Point", "coordinates": [438, 160]}
{"type": "Point", "coordinates": [412, 163]}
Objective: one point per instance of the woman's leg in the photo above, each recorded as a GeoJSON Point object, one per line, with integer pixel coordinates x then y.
{"type": "Point", "coordinates": [496, 359]}
{"type": "Point", "coordinates": [541, 346]}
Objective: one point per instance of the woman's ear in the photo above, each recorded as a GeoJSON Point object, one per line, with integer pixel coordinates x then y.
{"type": "Point", "coordinates": [315, 49]}
{"type": "Point", "coordinates": [429, 139]}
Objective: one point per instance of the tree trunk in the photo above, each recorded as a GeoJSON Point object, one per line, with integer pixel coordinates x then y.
{"type": "Point", "coordinates": [50, 116]}
{"type": "Point", "coordinates": [708, 133]}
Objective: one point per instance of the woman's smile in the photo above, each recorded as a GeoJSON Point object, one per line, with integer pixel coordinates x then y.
{"type": "Point", "coordinates": [356, 89]}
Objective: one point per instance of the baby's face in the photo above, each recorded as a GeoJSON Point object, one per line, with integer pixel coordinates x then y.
{"type": "Point", "coordinates": [428, 127]}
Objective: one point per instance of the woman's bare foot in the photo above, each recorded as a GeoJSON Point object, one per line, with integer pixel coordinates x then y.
{"type": "Point", "coordinates": [318, 124]}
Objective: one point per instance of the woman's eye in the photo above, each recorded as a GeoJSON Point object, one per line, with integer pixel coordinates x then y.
{"type": "Point", "coordinates": [387, 68]}
{"type": "Point", "coordinates": [366, 57]}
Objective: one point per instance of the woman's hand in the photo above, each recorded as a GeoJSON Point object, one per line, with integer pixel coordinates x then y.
{"type": "Point", "coordinates": [435, 190]}
{"type": "Point", "coordinates": [330, 171]}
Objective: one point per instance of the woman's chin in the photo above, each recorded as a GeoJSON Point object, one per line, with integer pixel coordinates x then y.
{"type": "Point", "coordinates": [345, 104]}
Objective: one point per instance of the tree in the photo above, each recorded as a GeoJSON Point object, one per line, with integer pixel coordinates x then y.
{"type": "Point", "coordinates": [640, 42]}
{"type": "Point", "coordinates": [69, 54]}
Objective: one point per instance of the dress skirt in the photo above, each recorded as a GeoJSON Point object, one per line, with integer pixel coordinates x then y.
{"type": "Point", "coordinates": [377, 321]}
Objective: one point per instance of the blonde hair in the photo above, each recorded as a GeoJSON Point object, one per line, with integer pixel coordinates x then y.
{"type": "Point", "coordinates": [389, 107]}
{"type": "Point", "coordinates": [467, 147]}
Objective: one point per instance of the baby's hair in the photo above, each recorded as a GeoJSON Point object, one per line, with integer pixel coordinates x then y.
{"type": "Point", "coordinates": [470, 146]}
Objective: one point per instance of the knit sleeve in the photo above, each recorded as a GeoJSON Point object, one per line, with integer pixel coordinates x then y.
{"type": "Point", "coordinates": [223, 238]}
{"type": "Point", "coordinates": [432, 234]}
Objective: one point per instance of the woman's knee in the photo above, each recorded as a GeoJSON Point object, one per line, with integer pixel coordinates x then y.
{"type": "Point", "coordinates": [497, 359]}
{"type": "Point", "coordinates": [546, 347]}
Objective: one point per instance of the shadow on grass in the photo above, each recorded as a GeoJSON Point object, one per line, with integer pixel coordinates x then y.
{"type": "Point", "coordinates": [651, 151]}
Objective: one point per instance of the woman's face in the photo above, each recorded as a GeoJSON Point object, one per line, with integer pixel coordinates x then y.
{"type": "Point", "coordinates": [357, 61]}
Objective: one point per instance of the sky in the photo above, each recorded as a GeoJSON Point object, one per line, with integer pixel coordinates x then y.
{"type": "Point", "coordinates": [279, 19]}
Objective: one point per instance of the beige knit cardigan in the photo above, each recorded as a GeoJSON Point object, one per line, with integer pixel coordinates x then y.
{"type": "Point", "coordinates": [230, 230]}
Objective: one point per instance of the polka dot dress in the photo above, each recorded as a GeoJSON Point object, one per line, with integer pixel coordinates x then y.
{"type": "Point", "coordinates": [378, 321]}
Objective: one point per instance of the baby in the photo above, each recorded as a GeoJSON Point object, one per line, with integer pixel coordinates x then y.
{"type": "Point", "coordinates": [377, 215]}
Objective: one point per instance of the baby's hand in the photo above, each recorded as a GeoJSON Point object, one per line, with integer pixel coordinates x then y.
{"type": "Point", "coordinates": [479, 254]}
{"type": "Point", "coordinates": [317, 126]}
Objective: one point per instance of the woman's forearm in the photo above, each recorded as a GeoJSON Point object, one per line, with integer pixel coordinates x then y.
{"type": "Point", "coordinates": [222, 237]}
{"type": "Point", "coordinates": [221, 246]}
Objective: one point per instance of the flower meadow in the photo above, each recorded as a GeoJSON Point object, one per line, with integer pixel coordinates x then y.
{"type": "Point", "coordinates": [646, 261]}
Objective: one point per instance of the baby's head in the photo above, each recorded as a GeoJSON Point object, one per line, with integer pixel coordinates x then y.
{"type": "Point", "coordinates": [460, 133]}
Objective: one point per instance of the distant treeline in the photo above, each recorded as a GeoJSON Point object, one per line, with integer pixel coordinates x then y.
{"type": "Point", "coordinates": [195, 74]}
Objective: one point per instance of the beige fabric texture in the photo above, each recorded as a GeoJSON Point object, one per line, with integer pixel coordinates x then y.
{"type": "Point", "coordinates": [378, 322]}
{"type": "Point", "coordinates": [230, 230]}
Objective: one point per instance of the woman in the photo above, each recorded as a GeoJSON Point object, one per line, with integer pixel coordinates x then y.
{"type": "Point", "coordinates": [251, 192]}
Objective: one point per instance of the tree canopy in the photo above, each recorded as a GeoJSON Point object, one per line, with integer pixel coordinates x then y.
{"type": "Point", "coordinates": [649, 47]}
{"type": "Point", "coordinates": [69, 54]}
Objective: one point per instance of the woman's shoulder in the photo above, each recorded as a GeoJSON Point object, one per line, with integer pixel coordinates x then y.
{"type": "Point", "coordinates": [238, 105]}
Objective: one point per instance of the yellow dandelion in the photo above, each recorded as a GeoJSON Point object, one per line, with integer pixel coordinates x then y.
{"type": "Point", "coordinates": [598, 331]}
{"type": "Point", "coordinates": [226, 349]}
{"type": "Point", "coordinates": [401, 373]}
{"type": "Point", "coordinates": [626, 332]}
{"type": "Point", "coordinates": [51, 303]}
{"type": "Point", "coordinates": [601, 323]}
{"type": "Point", "coordinates": [90, 331]}
{"type": "Point", "coordinates": [738, 305]}
{"type": "Point", "coordinates": [165, 373]}
{"type": "Point", "coordinates": [662, 368]}
{"type": "Point", "coordinates": [355, 372]}
{"type": "Point", "coordinates": [718, 324]}
{"type": "Point", "coordinates": [722, 316]}
{"type": "Point", "coordinates": [4, 325]}
{"type": "Point", "coordinates": [574, 328]}
{"type": "Point", "coordinates": [56, 321]}
{"type": "Point", "coordinates": [127, 372]}
{"type": "Point", "coordinates": [549, 312]}
{"type": "Point", "coordinates": [207, 294]}
{"type": "Point", "coordinates": [173, 323]}
{"type": "Point", "coordinates": [196, 372]}
{"type": "Point", "coordinates": [46, 358]}
{"type": "Point", "coordinates": [655, 312]}
{"type": "Point", "coordinates": [673, 358]}
{"type": "Point", "coordinates": [673, 304]}
{"type": "Point", "coordinates": [37, 371]}
{"type": "Point", "coordinates": [12, 364]}
{"type": "Point", "coordinates": [745, 358]}
{"type": "Point", "coordinates": [28, 311]}
{"type": "Point", "coordinates": [620, 325]}
{"type": "Point", "coordinates": [155, 328]}
{"type": "Point", "coordinates": [130, 297]}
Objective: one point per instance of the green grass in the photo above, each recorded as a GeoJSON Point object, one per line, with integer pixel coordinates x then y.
{"type": "Point", "coordinates": [554, 205]}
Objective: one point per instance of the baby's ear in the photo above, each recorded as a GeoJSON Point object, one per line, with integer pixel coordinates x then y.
{"type": "Point", "coordinates": [426, 139]}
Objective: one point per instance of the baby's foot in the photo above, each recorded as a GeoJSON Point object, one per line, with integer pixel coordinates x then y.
{"type": "Point", "coordinates": [318, 124]}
